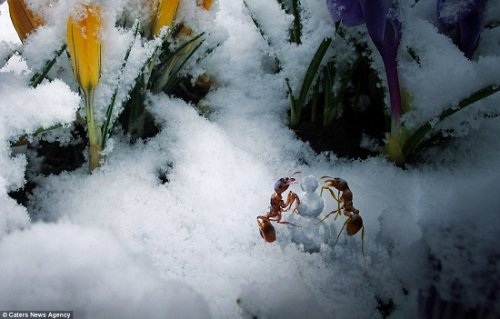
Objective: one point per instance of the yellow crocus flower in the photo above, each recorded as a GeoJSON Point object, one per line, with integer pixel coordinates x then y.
{"type": "Point", "coordinates": [165, 15]}
{"type": "Point", "coordinates": [23, 19]}
{"type": "Point", "coordinates": [84, 46]}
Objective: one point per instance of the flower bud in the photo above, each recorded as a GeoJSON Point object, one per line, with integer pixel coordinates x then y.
{"type": "Point", "coordinates": [165, 15]}
{"type": "Point", "coordinates": [23, 19]}
{"type": "Point", "coordinates": [84, 46]}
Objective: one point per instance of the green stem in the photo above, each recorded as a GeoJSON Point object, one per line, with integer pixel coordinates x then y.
{"type": "Point", "coordinates": [93, 131]}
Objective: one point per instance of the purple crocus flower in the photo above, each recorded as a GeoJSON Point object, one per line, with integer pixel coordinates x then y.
{"type": "Point", "coordinates": [465, 19]}
{"type": "Point", "coordinates": [350, 12]}
{"type": "Point", "coordinates": [384, 29]}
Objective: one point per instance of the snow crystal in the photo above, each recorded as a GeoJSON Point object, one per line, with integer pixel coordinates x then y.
{"type": "Point", "coordinates": [311, 204]}
{"type": "Point", "coordinates": [280, 299]}
{"type": "Point", "coordinates": [167, 226]}
{"type": "Point", "coordinates": [87, 270]}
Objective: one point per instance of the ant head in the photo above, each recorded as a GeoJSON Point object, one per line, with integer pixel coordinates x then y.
{"type": "Point", "coordinates": [283, 183]}
{"type": "Point", "coordinates": [336, 182]}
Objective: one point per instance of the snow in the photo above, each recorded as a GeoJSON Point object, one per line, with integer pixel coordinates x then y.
{"type": "Point", "coordinates": [87, 280]}
{"type": "Point", "coordinates": [122, 243]}
{"type": "Point", "coordinates": [311, 203]}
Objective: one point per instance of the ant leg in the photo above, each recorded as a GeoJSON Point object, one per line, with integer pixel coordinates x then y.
{"type": "Point", "coordinates": [337, 198]}
{"type": "Point", "coordinates": [363, 241]}
{"type": "Point", "coordinates": [267, 218]}
{"type": "Point", "coordinates": [327, 215]}
{"type": "Point", "coordinates": [326, 176]}
{"type": "Point", "coordinates": [291, 197]}
{"type": "Point", "coordinates": [288, 223]}
{"type": "Point", "coordinates": [274, 218]}
{"type": "Point", "coordinates": [330, 190]}
{"type": "Point", "coordinates": [261, 217]}
{"type": "Point", "coordinates": [338, 205]}
{"type": "Point", "coordinates": [346, 222]}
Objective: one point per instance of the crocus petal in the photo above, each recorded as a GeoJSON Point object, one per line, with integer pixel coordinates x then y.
{"type": "Point", "coordinates": [85, 48]}
{"type": "Point", "coordinates": [384, 29]}
{"type": "Point", "coordinates": [450, 12]}
{"type": "Point", "coordinates": [469, 32]}
{"type": "Point", "coordinates": [383, 26]}
{"type": "Point", "coordinates": [23, 19]}
{"type": "Point", "coordinates": [185, 30]}
{"type": "Point", "coordinates": [206, 4]}
{"type": "Point", "coordinates": [349, 11]}
{"type": "Point", "coordinates": [446, 19]}
{"type": "Point", "coordinates": [165, 14]}
{"type": "Point", "coordinates": [466, 19]}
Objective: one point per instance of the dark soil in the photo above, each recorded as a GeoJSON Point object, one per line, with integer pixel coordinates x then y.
{"type": "Point", "coordinates": [343, 135]}
{"type": "Point", "coordinates": [56, 158]}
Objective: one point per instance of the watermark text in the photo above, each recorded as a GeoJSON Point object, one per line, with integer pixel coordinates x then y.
{"type": "Point", "coordinates": [37, 314]}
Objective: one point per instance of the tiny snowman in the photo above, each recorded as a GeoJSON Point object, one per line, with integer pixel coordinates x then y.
{"type": "Point", "coordinates": [311, 204]}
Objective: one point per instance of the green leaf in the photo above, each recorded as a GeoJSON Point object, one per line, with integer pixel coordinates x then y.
{"type": "Point", "coordinates": [416, 138]}
{"type": "Point", "coordinates": [311, 72]}
{"type": "Point", "coordinates": [23, 138]}
{"type": "Point", "coordinates": [168, 75]}
{"type": "Point", "coordinates": [293, 101]}
{"type": "Point", "coordinates": [331, 108]}
{"type": "Point", "coordinates": [314, 103]}
{"type": "Point", "coordinates": [38, 77]}
{"type": "Point", "coordinates": [414, 55]}
{"type": "Point", "coordinates": [106, 131]}
{"type": "Point", "coordinates": [262, 32]}
{"type": "Point", "coordinates": [296, 30]}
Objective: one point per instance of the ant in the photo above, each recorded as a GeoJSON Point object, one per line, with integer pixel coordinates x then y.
{"type": "Point", "coordinates": [354, 222]}
{"type": "Point", "coordinates": [278, 206]}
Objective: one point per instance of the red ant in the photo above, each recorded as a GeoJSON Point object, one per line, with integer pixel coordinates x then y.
{"type": "Point", "coordinates": [278, 206]}
{"type": "Point", "coordinates": [354, 221]}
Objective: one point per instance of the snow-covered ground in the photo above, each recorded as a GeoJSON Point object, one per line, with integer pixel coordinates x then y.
{"type": "Point", "coordinates": [120, 243]}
